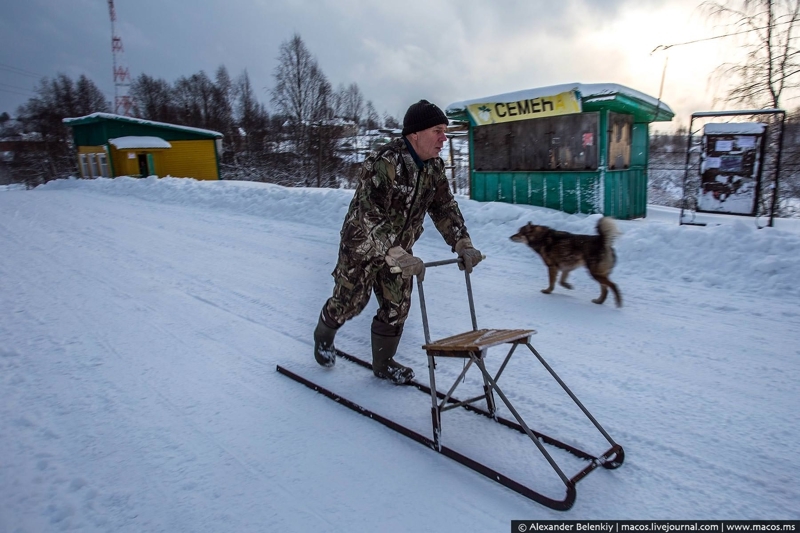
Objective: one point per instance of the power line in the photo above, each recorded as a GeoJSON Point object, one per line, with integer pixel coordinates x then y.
{"type": "Point", "coordinates": [16, 87]}
{"type": "Point", "coordinates": [20, 71]}
{"type": "Point", "coordinates": [14, 92]}
{"type": "Point", "coordinates": [667, 46]}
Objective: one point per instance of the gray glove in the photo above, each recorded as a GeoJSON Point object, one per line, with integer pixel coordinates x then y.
{"type": "Point", "coordinates": [469, 255]}
{"type": "Point", "coordinates": [408, 264]}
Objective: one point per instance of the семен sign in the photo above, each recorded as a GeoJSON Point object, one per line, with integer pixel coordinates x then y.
{"type": "Point", "coordinates": [545, 106]}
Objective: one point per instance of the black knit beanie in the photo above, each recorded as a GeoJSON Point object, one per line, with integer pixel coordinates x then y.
{"type": "Point", "coordinates": [421, 116]}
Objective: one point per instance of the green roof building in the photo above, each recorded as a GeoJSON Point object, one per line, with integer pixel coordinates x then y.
{"type": "Point", "coordinates": [111, 145]}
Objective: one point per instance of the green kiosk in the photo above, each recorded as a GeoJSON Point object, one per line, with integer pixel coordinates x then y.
{"type": "Point", "coordinates": [577, 148]}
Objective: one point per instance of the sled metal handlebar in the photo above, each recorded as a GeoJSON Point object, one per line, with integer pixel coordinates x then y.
{"type": "Point", "coordinates": [421, 291]}
{"type": "Point", "coordinates": [397, 270]}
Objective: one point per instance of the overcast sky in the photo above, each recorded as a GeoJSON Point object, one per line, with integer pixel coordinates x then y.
{"type": "Point", "coordinates": [397, 52]}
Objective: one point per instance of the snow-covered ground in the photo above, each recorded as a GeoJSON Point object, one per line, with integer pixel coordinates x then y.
{"type": "Point", "coordinates": [141, 322]}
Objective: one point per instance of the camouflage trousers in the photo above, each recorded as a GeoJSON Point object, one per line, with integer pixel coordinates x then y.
{"type": "Point", "coordinates": [355, 281]}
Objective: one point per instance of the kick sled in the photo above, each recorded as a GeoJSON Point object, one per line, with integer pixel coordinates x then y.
{"type": "Point", "coordinates": [472, 348]}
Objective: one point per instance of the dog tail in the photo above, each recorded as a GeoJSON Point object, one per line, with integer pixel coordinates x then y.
{"type": "Point", "coordinates": [607, 230]}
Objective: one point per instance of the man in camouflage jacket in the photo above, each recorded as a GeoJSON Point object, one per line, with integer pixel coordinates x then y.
{"type": "Point", "coordinates": [399, 183]}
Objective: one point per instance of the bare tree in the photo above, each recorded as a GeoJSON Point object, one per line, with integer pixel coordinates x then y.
{"type": "Point", "coordinates": [90, 99]}
{"type": "Point", "coordinates": [390, 122]}
{"type": "Point", "coordinates": [352, 104]}
{"type": "Point", "coordinates": [249, 157]}
{"type": "Point", "coordinates": [303, 94]}
{"type": "Point", "coordinates": [336, 101]}
{"type": "Point", "coordinates": [771, 65]}
{"type": "Point", "coordinates": [193, 97]}
{"type": "Point", "coordinates": [323, 136]}
{"type": "Point", "coordinates": [248, 113]}
{"type": "Point", "coordinates": [220, 115]}
{"type": "Point", "coordinates": [297, 81]}
{"type": "Point", "coordinates": [373, 119]}
{"type": "Point", "coordinates": [50, 155]}
{"type": "Point", "coordinates": [154, 99]}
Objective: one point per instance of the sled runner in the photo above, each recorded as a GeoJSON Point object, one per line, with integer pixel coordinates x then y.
{"type": "Point", "coordinates": [472, 348]}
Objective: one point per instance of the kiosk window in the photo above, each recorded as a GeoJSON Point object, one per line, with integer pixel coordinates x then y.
{"type": "Point", "coordinates": [565, 142]}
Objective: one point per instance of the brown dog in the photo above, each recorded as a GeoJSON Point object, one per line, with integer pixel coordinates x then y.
{"type": "Point", "coordinates": [563, 252]}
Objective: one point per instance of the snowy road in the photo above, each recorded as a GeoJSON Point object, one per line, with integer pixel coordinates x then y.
{"type": "Point", "coordinates": [140, 326]}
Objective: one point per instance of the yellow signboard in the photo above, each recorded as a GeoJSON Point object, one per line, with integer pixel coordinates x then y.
{"type": "Point", "coordinates": [545, 106]}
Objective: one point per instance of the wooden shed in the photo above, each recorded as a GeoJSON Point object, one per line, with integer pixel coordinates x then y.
{"type": "Point", "coordinates": [111, 145]}
{"type": "Point", "coordinates": [578, 148]}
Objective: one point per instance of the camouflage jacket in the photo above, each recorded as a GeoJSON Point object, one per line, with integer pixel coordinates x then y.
{"type": "Point", "coordinates": [391, 200]}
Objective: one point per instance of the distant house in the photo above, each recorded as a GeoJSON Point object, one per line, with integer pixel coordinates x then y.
{"type": "Point", "coordinates": [110, 145]}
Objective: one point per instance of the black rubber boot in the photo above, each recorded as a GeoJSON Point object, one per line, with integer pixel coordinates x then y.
{"type": "Point", "coordinates": [383, 364]}
{"type": "Point", "coordinates": [324, 350]}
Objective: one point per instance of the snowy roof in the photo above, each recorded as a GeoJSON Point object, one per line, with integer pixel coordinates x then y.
{"type": "Point", "coordinates": [94, 117]}
{"type": "Point", "coordinates": [133, 142]}
{"type": "Point", "coordinates": [589, 92]}
{"type": "Point", "coordinates": [735, 128]}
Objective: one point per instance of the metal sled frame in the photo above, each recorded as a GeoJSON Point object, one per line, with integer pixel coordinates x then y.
{"type": "Point", "coordinates": [473, 347]}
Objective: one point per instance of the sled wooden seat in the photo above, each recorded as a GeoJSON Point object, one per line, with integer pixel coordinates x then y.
{"type": "Point", "coordinates": [475, 343]}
